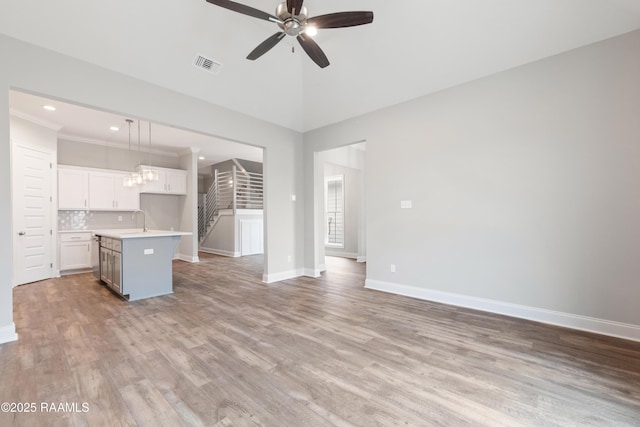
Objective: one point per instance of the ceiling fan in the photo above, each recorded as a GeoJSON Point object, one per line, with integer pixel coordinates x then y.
{"type": "Point", "coordinates": [293, 20]}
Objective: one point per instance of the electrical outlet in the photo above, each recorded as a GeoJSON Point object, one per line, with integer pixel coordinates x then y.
{"type": "Point", "coordinates": [289, 258]}
{"type": "Point", "coordinates": [120, 218]}
{"type": "Point", "coordinates": [393, 268]}
{"type": "Point", "coordinates": [148, 251]}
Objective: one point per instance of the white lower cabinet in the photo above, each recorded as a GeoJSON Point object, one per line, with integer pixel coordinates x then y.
{"type": "Point", "coordinates": [75, 251]}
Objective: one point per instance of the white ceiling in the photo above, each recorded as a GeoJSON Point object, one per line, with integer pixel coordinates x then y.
{"type": "Point", "coordinates": [413, 47]}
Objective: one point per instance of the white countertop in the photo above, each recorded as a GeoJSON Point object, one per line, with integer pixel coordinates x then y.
{"type": "Point", "coordinates": [137, 233]}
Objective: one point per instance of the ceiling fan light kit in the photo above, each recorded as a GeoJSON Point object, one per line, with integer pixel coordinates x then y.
{"type": "Point", "coordinates": [292, 18]}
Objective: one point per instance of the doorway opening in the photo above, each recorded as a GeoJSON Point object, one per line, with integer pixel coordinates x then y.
{"type": "Point", "coordinates": [82, 138]}
{"type": "Point", "coordinates": [340, 206]}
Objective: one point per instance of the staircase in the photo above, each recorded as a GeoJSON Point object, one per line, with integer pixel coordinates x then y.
{"type": "Point", "coordinates": [229, 192]}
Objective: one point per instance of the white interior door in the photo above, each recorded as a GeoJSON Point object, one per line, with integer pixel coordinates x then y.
{"type": "Point", "coordinates": [32, 218]}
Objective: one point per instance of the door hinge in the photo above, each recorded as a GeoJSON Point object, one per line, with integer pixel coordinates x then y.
{"type": "Point", "coordinates": [51, 265]}
{"type": "Point", "coordinates": [50, 232]}
{"type": "Point", "coordinates": [50, 165]}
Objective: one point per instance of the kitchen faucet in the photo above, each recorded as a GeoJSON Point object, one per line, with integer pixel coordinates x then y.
{"type": "Point", "coordinates": [144, 219]}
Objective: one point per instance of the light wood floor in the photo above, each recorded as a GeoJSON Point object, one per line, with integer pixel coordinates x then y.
{"type": "Point", "coordinates": [228, 350]}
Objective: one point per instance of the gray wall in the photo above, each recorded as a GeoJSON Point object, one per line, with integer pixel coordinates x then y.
{"type": "Point", "coordinates": [249, 166]}
{"type": "Point", "coordinates": [76, 81]}
{"type": "Point", "coordinates": [188, 245]}
{"type": "Point", "coordinates": [106, 157]}
{"type": "Point", "coordinates": [525, 185]}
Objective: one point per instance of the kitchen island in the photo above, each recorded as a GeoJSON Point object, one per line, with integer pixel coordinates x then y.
{"type": "Point", "coordinates": [137, 264]}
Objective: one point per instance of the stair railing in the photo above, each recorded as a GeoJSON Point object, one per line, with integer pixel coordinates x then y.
{"type": "Point", "coordinates": [232, 190]}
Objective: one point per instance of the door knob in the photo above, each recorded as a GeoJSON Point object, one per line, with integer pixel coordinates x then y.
{"type": "Point", "coordinates": [22, 233]}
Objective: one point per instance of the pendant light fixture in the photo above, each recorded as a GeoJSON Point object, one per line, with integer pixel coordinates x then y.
{"type": "Point", "coordinates": [128, 181]}
{"type": "Point", "coordinates": [147, 172]}
{"type": "Point", "coordinates": [135, 176]}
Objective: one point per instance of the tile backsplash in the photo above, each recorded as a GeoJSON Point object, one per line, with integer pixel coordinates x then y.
{"type": "Point", "coordinates": [94, 220]}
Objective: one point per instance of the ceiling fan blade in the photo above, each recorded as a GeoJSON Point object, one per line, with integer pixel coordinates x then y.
{"type": "Point", "coordinates": [313, 50]}
{"type": "Point", "coordinates": [266, 46]}
{"type": "Point", "coordinates": [290, 5]}
{"type": "Point", "coordinates": [341, 19]}
{"type": "Point", "coordinates": [245, 10]}
{"type": "Point", "coordinates": [297, 6]}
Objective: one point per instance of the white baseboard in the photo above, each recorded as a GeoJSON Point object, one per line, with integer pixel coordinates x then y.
{"type": "Point", "coordinates": [361, 259]}
{"type": "Point", "coordinates": [322, 267]}
{"type": "Point", "coordinates": [341, 254]}
{"type": "Point", "coordinates": [8, 333]}
{"type": "Point", "coordinates": [310, 272]}
{"type": "Point", "coordinates": [220, 252]}
{"type": "Point", "coordinates": [76, 271]}
{"type": "Point", "coordinates": [187, 258]}
{"type": "Point", "coordinates": [568, 320]}
{"type": "Point", "coordinates": [276, 277]}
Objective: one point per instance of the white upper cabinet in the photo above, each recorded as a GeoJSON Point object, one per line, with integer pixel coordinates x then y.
{"type": "Point", "coordinates": [95, 189]}
{"type": "Point", "coordinates": [170, 181]}
{"type": "Point", "coordinates": [102, 191]}
{"type": "Point", "coordinates": [73, 189]}
{"type": "Point", "coordinates": [107, 192]}
{"type": "Point", "coordinates": [127, 198]}
{"type": "Point", "coordinates": [176, 182]}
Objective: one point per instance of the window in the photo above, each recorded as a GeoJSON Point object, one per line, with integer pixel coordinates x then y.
{"type": "Point", "coordinates": [334, 211]}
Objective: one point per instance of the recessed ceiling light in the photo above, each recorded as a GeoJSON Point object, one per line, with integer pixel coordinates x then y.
{"type": "Point", "coordinates": [201, 158]}
{"type": "Point", "coordinates": [114, 128]}
{"type": "Point", "coordinates": [49, 107]}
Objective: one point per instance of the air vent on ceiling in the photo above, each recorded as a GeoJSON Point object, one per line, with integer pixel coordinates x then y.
{"type": "Point", "coordinates": [207, 64]}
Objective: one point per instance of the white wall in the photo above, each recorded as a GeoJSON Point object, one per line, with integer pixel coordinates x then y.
{"type": "Point", "coordinates": [32, 134]}
{"type": "Point", "coordinates": [525, 189]}
{"type": "Point", "coordinates": [76, 81]}
{"type": "Point", "coordinates": [7, 328]}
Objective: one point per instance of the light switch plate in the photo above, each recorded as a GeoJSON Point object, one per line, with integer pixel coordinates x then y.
{"type": "Point", "coordinates": [406, 204]}
{"type": "Point", "coordinates": [148, 251]}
